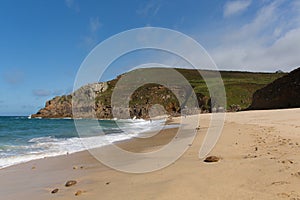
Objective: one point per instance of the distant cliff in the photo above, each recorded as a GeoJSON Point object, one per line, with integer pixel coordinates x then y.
{"type": "Point", "coordinates": [58, 107]}
{"type": "Point", "coordinates": [239, 86]}
{"type": "Point", "coordinates": [282, 93]}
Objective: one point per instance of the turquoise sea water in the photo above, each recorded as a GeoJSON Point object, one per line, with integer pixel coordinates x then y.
{"type": "Point", "coordinates": [23, 139]}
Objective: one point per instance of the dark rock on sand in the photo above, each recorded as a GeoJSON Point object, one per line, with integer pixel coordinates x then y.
{"type": "Point", "coordinates": [54, 191]}
{"type": "Point", "coordinates": [210, 159]}
{"type": "Point", "coordinates": [70, 183]}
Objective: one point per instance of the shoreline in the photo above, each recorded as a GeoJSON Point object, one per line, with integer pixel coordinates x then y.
{"type": "Point", "coordinates": [259, 153]}
{"type": "Point", "coordinates": [37, 157]}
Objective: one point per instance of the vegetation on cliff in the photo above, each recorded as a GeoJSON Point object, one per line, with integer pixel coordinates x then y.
{"type": "Point", "coordinates": [239, 87]}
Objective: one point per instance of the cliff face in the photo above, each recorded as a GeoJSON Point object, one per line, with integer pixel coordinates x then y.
{"type": "Point", "coordinates": [61, 106]}
{"type": "Point", "coordinates": [58, 107]}
{"type": "Point", "coordinates": [282, 93]}
{"type": "Point", "coordinates": [94, 100]}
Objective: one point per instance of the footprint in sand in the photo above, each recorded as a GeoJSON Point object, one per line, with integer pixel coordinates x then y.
{"type": "Point", "coordinates": [280, 183]}
{"type": "Point", "coordinates": [297, 174]}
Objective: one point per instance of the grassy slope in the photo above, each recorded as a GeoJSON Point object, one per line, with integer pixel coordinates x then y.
{"type": "Point", "coordinates": [239, 86]}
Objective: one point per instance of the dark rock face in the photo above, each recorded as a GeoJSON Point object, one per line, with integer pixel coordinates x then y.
{"type": "Point", "coordinates": [282, 93]}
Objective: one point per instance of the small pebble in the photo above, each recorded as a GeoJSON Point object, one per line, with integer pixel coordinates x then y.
{"type": "Point", "coordinates": [54, 191]}
{"type": "Point", "coordinates": [70, 183]}
{"type": "Point", "coordinates": [212, 159]}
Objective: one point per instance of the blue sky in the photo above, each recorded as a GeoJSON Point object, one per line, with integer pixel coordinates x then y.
{"type": "Point", "coordinates": [43, 43]}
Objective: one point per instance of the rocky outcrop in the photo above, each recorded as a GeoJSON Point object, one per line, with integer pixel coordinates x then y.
{"type": "Point", "coordinates": [61, 106]}
{"type": "Point", "coordinates": [58, 107]}
{"type": "Point", "coordinates": [282, 93]}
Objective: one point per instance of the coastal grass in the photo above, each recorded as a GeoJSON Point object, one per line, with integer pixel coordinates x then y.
{"type": "Point", "coordinates": [239, 87]}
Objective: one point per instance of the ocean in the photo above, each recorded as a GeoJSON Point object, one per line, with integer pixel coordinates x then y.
{"type": "Point", "coordinates": [23, 139]}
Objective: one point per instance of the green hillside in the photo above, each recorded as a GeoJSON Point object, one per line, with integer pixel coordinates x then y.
{"type": "Point", "coordinates": [239, 86]}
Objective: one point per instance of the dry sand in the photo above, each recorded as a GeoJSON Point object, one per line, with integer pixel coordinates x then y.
{"type": "Point", "coordinates": [260, 153]}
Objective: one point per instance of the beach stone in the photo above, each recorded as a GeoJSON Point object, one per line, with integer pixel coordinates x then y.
{"type": "Point", "coordinates": [54, 191]}
{"type": "Point", "coordinates": [210, 159]}
{"type": "Point", "coordinates": [79, 192]}
{"type": "Point", "coordinates": [70, 183]}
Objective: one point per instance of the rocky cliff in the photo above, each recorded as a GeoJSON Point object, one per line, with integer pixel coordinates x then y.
{"type": "Point", "coordinates": [94, 100]}
{"type": "Point", "coordinates": [282, 93]}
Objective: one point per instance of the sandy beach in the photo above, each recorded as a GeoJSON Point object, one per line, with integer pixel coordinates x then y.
{"type": "Point", "coordinates": [260, 159]}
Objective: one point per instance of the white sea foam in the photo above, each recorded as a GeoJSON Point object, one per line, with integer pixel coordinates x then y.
{"type": "Point", "coordinates": [49, 146]}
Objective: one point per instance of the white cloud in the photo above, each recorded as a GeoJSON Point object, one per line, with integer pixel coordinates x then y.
{"type": "Point", "coordinates": [267, 16]}
{"type": "Point", "coordinates": [235, 7]}
{"type": "Point", "coordinates": [91, 38]}
{"type": "Point", "coordinates": [94, 24]}
{"type": "Point", "coordinates": [14, 76]}
{"type": "Point", "coordinates": [72, 4]}
{"type": "Point", "coordinates": [41, 93]}
{"type": "Point", "coordinates": [46, 93]}
{"type": "Point", "coordinates": [151, 8]}
{"type": "Point", "coordinates": [268, 42]}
